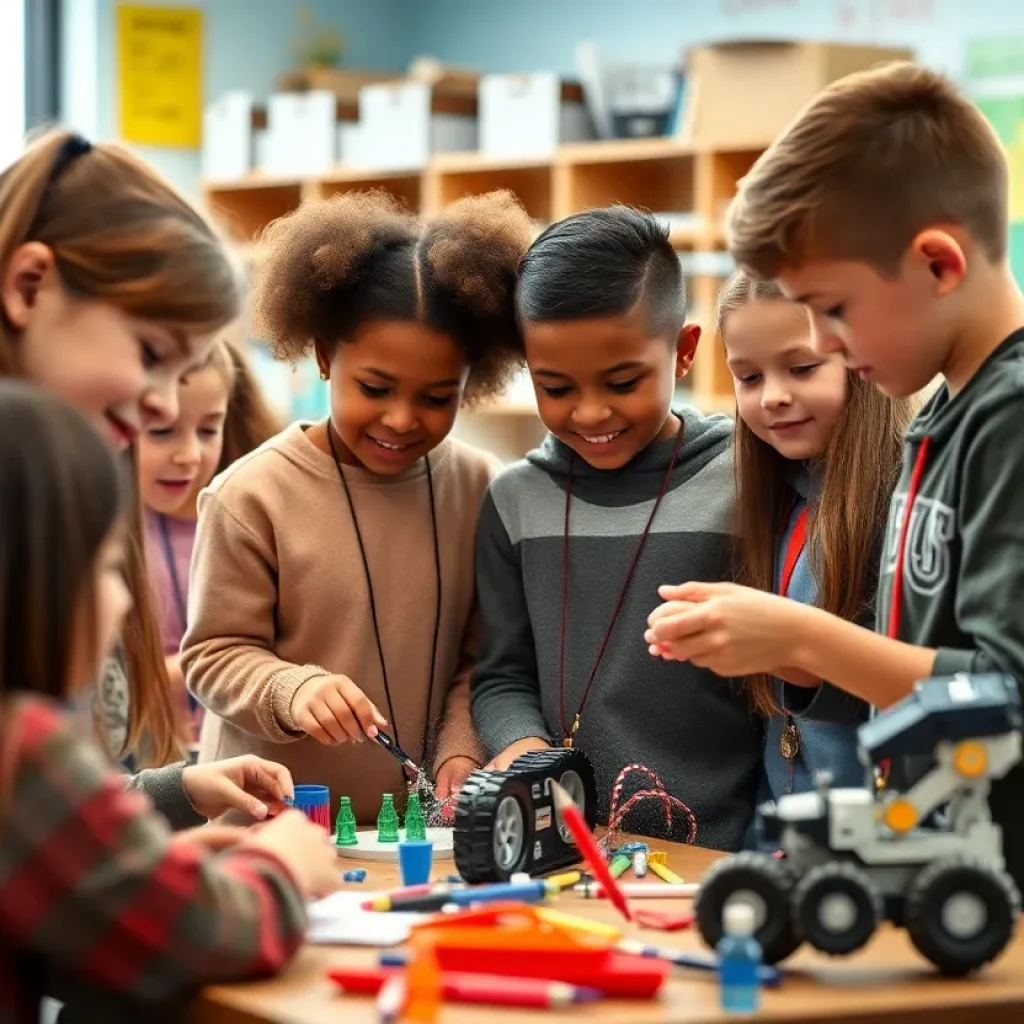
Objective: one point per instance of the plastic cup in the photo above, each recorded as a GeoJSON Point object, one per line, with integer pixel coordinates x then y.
{"type": "Point", "coordinates": [415, 859]}
{"type": "Point", "coordinates": [315, 804]}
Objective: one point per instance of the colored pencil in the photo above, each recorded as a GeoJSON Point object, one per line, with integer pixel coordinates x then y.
{"type": "Point", "coordinates": [577, 825]}
{"type": "Point", "coordinates": [640, 890]}
{"type": "Point", "coordinates": [768, 975]}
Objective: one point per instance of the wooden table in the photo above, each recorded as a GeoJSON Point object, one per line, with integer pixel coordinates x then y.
{"type": "Point", "coordinates": [888, 981]}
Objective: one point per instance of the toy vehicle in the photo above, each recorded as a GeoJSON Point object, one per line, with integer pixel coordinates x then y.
{"type": "Point", "coordinates": [505, 822]}
{"type": "Point", "coordinates": [852, 858]}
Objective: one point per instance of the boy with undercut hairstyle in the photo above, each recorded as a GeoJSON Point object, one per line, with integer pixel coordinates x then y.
{"type": "Point", "coordinates": [573, 541]}
{"type": "Point", "coordinates": [883, 209]}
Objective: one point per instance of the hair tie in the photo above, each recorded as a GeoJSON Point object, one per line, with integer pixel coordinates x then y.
{"type": "Point", "coordinates": [73, 147]}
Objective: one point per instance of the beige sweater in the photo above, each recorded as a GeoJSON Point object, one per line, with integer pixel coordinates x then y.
{"type": "Point", "coordinates": [278, 595]}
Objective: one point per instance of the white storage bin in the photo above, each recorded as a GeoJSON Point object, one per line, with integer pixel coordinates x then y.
{"type": "Point", "coordinates": [302, 133]}
{"type": "Point", "coordinates": [530, 114]}
{"type": "Point", "coordinates": [228, 137]}
{"type": "Point", "coordinates": [402, 125]}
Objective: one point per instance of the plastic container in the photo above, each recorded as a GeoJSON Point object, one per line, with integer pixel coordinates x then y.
{"type": "Point", "coordinates": [315, 804]}
{"type": "Point", "coordinates": [415, 859]}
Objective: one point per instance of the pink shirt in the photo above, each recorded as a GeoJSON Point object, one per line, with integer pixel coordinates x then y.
{"type": "Point", "coordinates": [168, 554]}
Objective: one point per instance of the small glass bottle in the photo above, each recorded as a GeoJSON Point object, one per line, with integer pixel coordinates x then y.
{"type": "Point", "coordinates": [739, 960]}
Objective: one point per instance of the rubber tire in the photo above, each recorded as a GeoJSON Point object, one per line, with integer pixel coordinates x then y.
{"type": "Point", "coordinates": [474, 823]}
{"type": "Point", "coordinates": [837, 877]}
{"type": "Point", "coordinates": [772, 880]}
{"type": "Point", "coordinates": [952, 955]}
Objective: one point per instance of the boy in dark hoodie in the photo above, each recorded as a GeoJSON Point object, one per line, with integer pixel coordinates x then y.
{"type": "Point", "coordinates": [573, 541]}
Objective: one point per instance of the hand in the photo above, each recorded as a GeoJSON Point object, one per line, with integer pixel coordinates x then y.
{"type": "Point", "coordinates": [732, 630]}
{"type": "Point", "coordinates": [304, 847]}
{"type": "Point", "coordinates": [502, 760]}
{"type": "Point", "coordinates": [332, 709]}
{"type": "Point", "coordinates": [211, 837]}
{"type": "Point", "coordinates": [452, 774]}
{"type": "Point", "coordinates": [249, 784]}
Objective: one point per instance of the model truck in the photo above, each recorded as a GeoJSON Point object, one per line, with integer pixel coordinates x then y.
{"type": "Point", "coordinates": [837, 862]}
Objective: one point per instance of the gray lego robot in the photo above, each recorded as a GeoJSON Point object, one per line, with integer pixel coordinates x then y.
{"type": "Point", "coordinates": [928, 859]}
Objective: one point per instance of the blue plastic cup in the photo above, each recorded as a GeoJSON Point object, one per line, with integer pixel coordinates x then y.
{"type": "Point", "coordinates": [415, 859]}
{"type": "Point", "coordinates": [315, 803]}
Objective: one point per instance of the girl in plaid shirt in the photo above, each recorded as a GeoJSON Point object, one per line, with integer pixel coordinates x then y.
{"type": "Point", "coordinates": [96, 894]}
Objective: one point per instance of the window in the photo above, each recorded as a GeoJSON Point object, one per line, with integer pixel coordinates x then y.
{"type": "Point", "coordinates": [12, 79]}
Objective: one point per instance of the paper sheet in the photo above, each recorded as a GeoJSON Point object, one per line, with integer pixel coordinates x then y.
{"type": "Point", "coordinates": [339, 920]}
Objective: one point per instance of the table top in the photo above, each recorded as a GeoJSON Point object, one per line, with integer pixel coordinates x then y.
{"type": "Point", "coordinates": [888, 980]}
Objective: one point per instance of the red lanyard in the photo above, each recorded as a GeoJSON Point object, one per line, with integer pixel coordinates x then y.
{"type": "Point", "coordinates": [794, 549]}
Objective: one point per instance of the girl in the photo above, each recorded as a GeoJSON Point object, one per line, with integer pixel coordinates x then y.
{"type": "Point", "coordinates": [93, 890]}
{"type": "Point", "coordinates": [222, 415]}
{"type": "Point", "coordinates": [333, 568]}
{"type": "Point", "coordinates": [816, 453]}
{"type": "Point", "coordinates": [111, 287]}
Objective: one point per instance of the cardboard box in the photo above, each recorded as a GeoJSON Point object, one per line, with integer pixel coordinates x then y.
{"type": "Point", "coordinates": [302, 133]}
{"type": "Point", "coordinates": [530, 115]}
{"type": "Point", "coordinates": [741, 95]}
{"type": "Point", "coordinates": [229, 126]}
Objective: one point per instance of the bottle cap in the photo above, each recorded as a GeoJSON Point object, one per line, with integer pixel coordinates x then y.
{"type": "Point", "coordinates": [739, 919]}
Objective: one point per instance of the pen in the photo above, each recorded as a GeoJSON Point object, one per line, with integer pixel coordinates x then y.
{"type": "Point", "coordinates": [767, 975]}
{"type": "Point", "coordinates": [641, 890]}
{"type": "Point", "coordinates": [396, 751]}
{"type": "Point", "coordinates": [527, 892]}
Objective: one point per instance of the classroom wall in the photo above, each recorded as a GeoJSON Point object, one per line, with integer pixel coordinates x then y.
{"type": "Point", "coordinates": [247, 44]}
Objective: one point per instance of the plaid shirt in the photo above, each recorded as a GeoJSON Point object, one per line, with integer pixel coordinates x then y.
{"type": "Point", "coordinates": [93, 884]}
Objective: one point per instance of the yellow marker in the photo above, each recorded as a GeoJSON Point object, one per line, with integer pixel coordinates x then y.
{"type": "Point", "coordinates": [580, 924]}
{"type": "Point", "coordinates": [564, 880]}
{"type": "Point", "coordinates": [664, 872]}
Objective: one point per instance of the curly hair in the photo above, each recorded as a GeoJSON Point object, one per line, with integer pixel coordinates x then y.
{"type": "Point", "coordinates": [329, 266]}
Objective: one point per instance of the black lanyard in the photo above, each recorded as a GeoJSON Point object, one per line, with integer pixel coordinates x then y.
{"type": "Point", "coordinates": [373, 604]}
{"type": "Point", "coordinates": [172, 571]}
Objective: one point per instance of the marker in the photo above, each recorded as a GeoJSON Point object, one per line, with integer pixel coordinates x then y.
{"type": "Point", "coordinates": [526, 892]}
{"type": "Point", "coordinates": [565, 880]}
{"type": "Point", "coordinates": [665, 873]}
{"type": "Point", "coordinates": [383, 901]}
{"type": "Point", "coordinates": [767, 974]}
{"type": "Point", "coordinates": [641, 890]}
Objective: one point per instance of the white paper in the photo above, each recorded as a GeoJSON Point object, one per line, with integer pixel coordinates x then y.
{"type": "Point", "coordinates": [339, 920]}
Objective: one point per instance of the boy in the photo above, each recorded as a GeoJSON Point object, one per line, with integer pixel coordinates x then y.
{"type": "Point", "coordinates": [883, 209]}
{"type": "Point", "coordinates": [573, 541]}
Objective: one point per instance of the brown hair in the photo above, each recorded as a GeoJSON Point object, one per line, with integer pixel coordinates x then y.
{"type": "Point", "coordinates": [121, 235]}
{"type": "Point", "coordinates": [874, 159]}
{"type": "Point", "coordinates": [332, 265]}
{"type": "Point", "coordinates": [860, 468]}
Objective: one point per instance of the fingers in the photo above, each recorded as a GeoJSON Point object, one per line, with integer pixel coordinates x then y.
{"type": "Point", "coordinates": [673, 628]}
{"type": "Point", "coordinates": [691, 591]}
{"type": "Point", "coordinates": [368, 717]}
{"type": "Point", "coordinates": [233, 797]}
{"type": "Point", "coordinates": [347, 726]}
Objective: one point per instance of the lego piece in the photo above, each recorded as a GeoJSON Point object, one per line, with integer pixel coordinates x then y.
{"type": "Point", "coordinates": [355, 875]}
{"type": "Point", "coordinates": [345, 824]}
{"type": "Point", "coordinates": [387, 821]}
{"type": "Point", "coordinates": [415, 822]}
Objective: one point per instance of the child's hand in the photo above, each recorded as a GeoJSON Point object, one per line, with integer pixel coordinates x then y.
{"type": "Point", "coordinates": [452, 774]}
{"type": "Point", "coordinates": [734, 631]}
{"type": "Point", "coordinates": [332, 709]}
{"type": "Point", "coordinates": [517, 749]}
{"type": "Point", "coordinates": [249, 784]}
{"type": "Point", "coordinates": [211, 837]}
{"type": "Point", "coordinates": [304, 847]}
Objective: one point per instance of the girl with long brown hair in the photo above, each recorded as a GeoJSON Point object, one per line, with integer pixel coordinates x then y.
{"type": "Point", "coordinates": [816, 454]}
{"type": "Point", "coordinates": [111, 287]}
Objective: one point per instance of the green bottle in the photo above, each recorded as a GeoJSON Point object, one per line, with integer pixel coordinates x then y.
{"type": "Point", "coordinates": [415, 823]}
{"type": "Point", "coordinates": [387, 821]}
{"type": "Point", "coordinates": [345, 824]}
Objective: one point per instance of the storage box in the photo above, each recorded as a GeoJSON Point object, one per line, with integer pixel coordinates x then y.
{"type": "Point", "coordinates": [402, 125]}
{"type": "Point", "coordinates": [302, 133]}
{"type": "Point", "coordinates": [741, 95]}
{"type": "Point", "coordinates": [229, 125]}
{"type": "Point", "coordinates": [531, 114]}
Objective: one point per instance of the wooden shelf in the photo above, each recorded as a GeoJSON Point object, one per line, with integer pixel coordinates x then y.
{"type": "Point", "coordinates": [690, 186]}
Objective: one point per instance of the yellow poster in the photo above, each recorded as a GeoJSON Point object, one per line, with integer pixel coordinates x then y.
{"type": "Point", "coordinates": [160, 75]}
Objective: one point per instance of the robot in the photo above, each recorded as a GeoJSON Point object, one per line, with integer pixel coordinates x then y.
{"type": "Point", "coordinates": [505, 822]}
{"type": "Point", "coordinates": [929, 859]}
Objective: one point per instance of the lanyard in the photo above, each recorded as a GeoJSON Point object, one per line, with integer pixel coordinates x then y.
{"type": "Point", "coordinates": [794, 549]}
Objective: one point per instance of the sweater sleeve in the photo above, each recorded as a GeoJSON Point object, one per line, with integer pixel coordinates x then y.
{"type": "Point", "coordinates": [990, 576]}
{"type": "Point", "coordinates": [227, 653]}
{"type": "Point", "coordinates": [92, 881]}
{"type": "Point", "coordinates": [166, 791]}
{"type": "Point", "coordinates": [505, 691]}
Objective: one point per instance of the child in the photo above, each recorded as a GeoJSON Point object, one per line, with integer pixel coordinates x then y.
{"type": "Point", "coordinates": [816, 455]}
{"type": "Point", "coordinates": [332, 578]}
{"type": "Point", "coordinates": [883, 209]}
{"type": "Point", "coordinates": [222, 415]}
{"type": "Point", "coordinates": [573, 539]}
{"type": "Point", "coordinates": [88, 312]}
{"type": "Point", "coordinates": [93, 890]}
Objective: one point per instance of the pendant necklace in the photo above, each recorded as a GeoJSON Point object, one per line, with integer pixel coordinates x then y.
{"type": "Point", "coordinates": [373, 604]}
{"type": "Point", "coordinates": [789, 740]}
{"type": "Point", "coordinates": [569, 732]}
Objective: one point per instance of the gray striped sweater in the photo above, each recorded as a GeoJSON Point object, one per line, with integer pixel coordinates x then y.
{"type": "Point", "coordinates": [688, 725]}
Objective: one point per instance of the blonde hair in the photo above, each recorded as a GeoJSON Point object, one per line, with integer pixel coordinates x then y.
{"type": "Point", "coordinates": [860, 468]}
{"type": "Point", "coordinates": [120, 235]}
{"type": "Point", "coordinates": [874, 159]}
